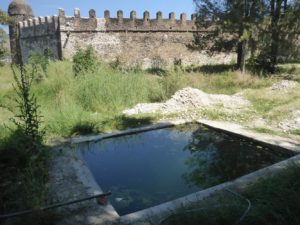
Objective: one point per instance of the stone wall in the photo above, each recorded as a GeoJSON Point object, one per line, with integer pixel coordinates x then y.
{"type": "Point", "coordinates": [39, 35]}
{"type": "Point", "coordinates": [142, 42]}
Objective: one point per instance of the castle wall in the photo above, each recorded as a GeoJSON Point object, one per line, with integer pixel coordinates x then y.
{"type": "Point", "coordinates": [133, 41]}
{"type": "Point", "coordinates": [39, 35]}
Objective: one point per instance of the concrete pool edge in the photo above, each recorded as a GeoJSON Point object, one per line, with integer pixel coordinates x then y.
{"type": "Point", "coordinates": [70, 179]}
{"type": "Point", "coordinates": [239, 131]}
{"type": "Point", "coordinates": [157, 213]}
{"type": "Point", "coordinates": [77, 140]}
{"type": "Point", "coordinates": [227, 127]}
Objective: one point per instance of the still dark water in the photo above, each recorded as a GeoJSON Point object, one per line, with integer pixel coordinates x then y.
{"type": "Point", "coordinates": [149, 168]}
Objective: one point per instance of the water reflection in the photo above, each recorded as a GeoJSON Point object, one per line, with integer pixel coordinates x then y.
{"type": "Point", "coordinates": [149, 168]}
{"type": "Point", "coordinates": [216, 157]}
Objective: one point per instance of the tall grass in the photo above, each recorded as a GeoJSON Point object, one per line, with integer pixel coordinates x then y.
{"type": "Point", "coordinates": [91, 99]}
{"type": "Point", "coordinates": [94, 101]}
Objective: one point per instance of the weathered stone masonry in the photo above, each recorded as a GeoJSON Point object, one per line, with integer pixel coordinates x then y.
{"type": "Point", "coordinates": [39, 35]}
{"type": "Point", "coordinates": [132, 41]}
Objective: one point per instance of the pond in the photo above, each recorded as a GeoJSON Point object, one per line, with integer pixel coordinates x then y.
{"type": "Point", "coordinates": [149, 168]}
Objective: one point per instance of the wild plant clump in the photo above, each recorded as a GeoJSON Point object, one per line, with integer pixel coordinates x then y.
{"type": "Point", "coordinates": [84, 61]}
{"type": "Point", "coordinates": [23, 157]}
{"type": "Point", "coordinates": [28, 120]}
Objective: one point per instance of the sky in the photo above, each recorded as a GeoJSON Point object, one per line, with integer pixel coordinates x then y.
{"type": "Point", "coordinates": [50, 7]}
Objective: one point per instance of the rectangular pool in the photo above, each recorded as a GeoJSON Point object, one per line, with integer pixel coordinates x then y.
{"type": "Point", "coordinates": [149, 168]}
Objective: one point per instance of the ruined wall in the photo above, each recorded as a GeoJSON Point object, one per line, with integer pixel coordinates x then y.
{"type": "Point", "coordinates": [40, 35]}
{"type": "Point", "coordinates": [134, 41]}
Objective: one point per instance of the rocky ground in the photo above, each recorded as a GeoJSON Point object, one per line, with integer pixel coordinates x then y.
{"type": "Point", "coordinates": [294, 122]}
{"type": "Point", "coordinates": [283, 85]}
{"type": "Point", "coordinates": [189, 101]}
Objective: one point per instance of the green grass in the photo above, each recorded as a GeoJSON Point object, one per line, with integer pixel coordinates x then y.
{"type": "Point", "coordinates": [274, 106]}
{"type": "Point", "coordinates": [289, 71]}
{"type": "Point", "coordinates": [274, 201]}
{"type": "Point", "coordinates": [264, 130]}
{"type": "Point", "coordinates": [94, 102]}
{"type": "Point", "coordinates": [297, 131]}
{"type": "Point", "coordinates": [68, 102]}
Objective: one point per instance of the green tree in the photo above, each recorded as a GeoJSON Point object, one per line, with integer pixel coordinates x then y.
{"type": "Point", "coordinates": [232, 23]}
{"type": "Point", "coordinates": [284, 28]}
{"type": "Point", "coordinates": [4, 20]}
{"type": "Point", "coordinates": [3, 41]}
{"type": "Point", "coordinates": [267, 29]}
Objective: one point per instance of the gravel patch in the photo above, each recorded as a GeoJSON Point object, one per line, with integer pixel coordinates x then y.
{"type": "Point", "coordinates": [293, 124]}
{"type": "Point", "coordinates": [191, 99]}
{"type": "Point", "coordinates": [283, 85]}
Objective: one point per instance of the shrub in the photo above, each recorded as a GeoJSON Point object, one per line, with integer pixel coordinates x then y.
{"type": "Point", "coordinates": [261, 64]}
{"type": "Point", "coordinates": [84, 61]}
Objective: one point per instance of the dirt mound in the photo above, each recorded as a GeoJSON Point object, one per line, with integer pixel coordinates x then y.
{"type": "Point", "coordinates": [190, 98]}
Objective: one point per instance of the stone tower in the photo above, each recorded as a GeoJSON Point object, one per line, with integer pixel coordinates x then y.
{"type": "Point", "coordinates": [19, 10]}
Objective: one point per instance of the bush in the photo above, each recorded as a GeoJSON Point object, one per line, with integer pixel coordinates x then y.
{"type": "Point", "coordinates": [261, 64]}
{"type": "Point", "coordinates": [84, 61]}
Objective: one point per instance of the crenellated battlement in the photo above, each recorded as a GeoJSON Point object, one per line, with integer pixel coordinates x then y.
{"type": "Point", "coordinates": [37, 21]}
{"type": "Point", "coordinates": [39, 26]}
{"type": "Point", "coordinates": [136, 39]}
{"type": "Point", "coordinates": [131, 24]}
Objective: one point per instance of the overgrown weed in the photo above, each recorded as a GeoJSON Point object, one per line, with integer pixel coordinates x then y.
{"type": "Point", "coordinates": [23, 157]}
